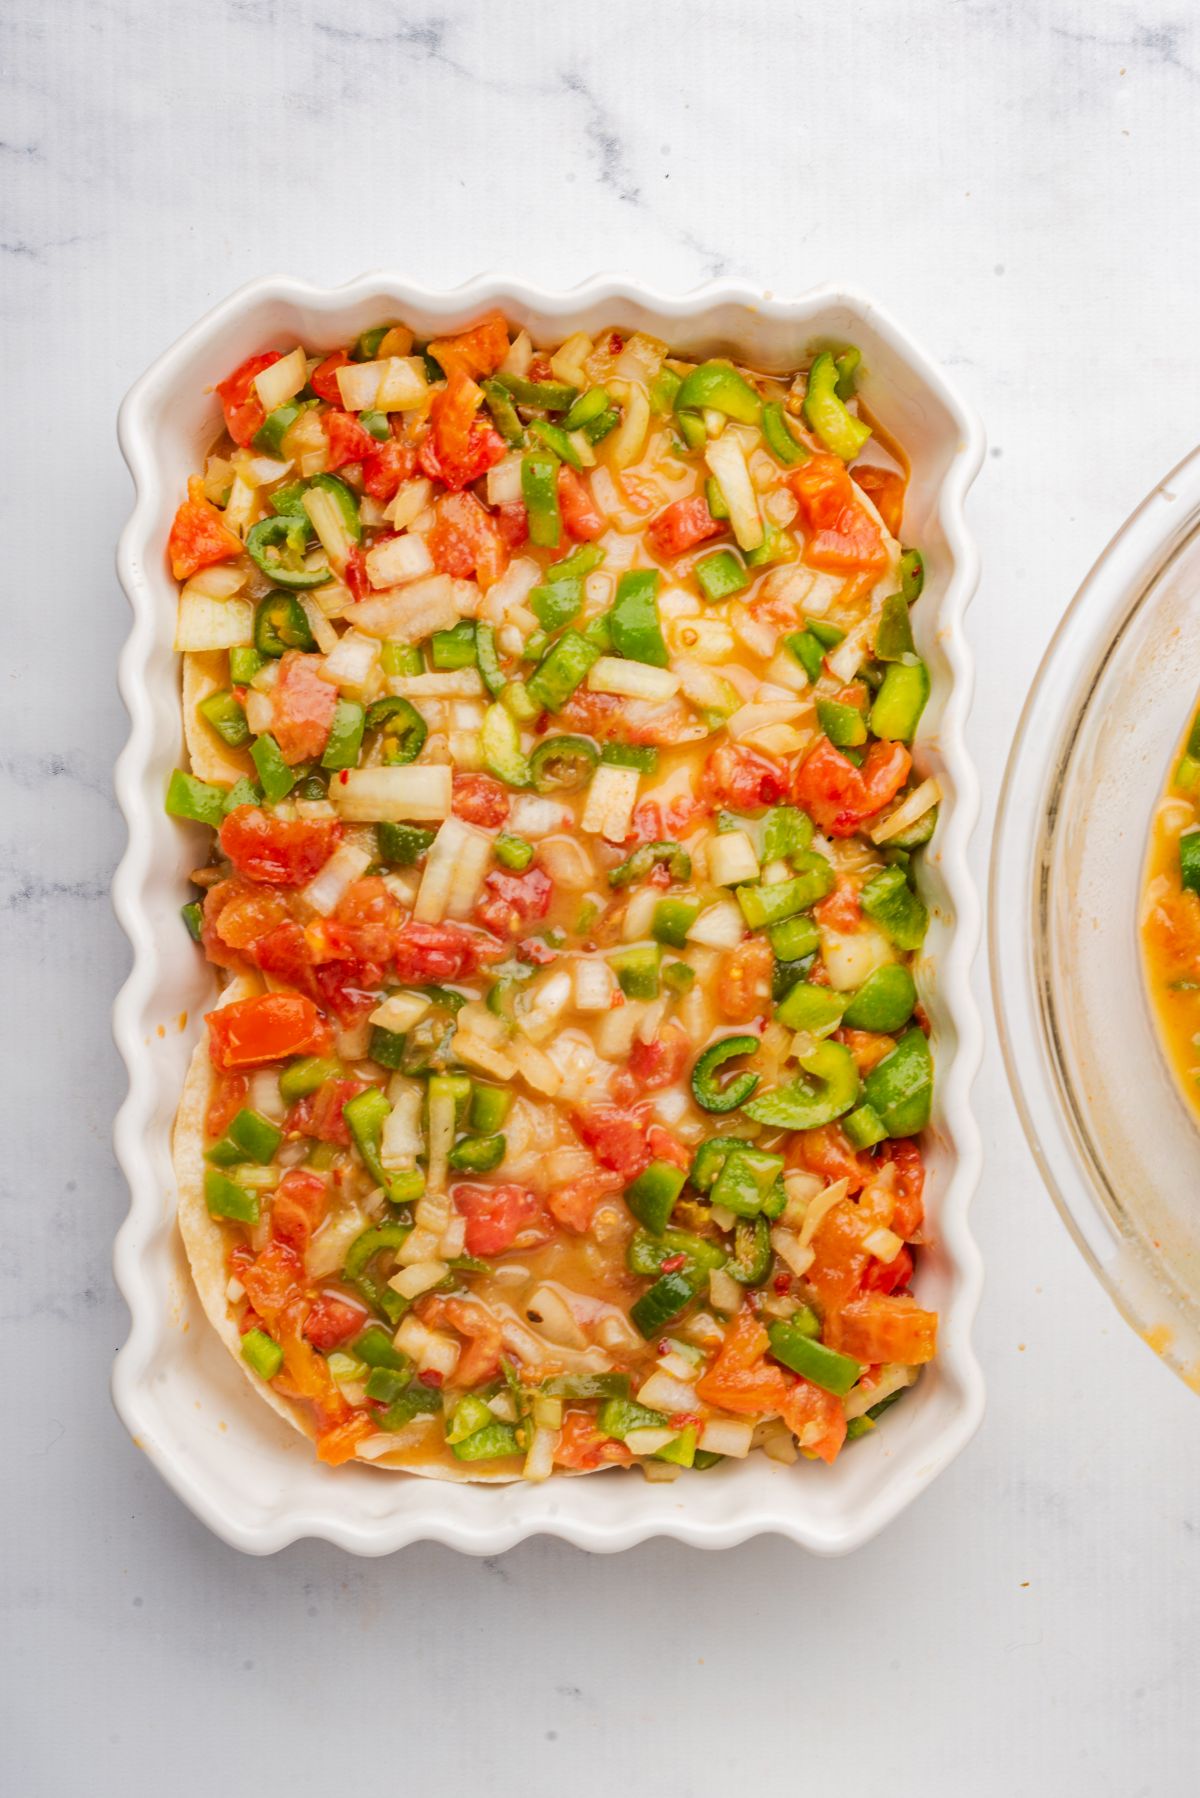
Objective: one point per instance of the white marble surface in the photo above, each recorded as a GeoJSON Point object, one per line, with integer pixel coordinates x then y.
{"type": "Point", "coordinates": [1016, 182]}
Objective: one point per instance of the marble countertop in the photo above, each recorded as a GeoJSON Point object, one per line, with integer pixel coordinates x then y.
{"type": "Point", "coordinates": [1013, 182]}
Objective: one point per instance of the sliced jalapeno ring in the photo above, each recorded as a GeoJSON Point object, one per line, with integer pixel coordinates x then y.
{"type": "Point", "coordinates": [287, 535]}
{"type": "Point", "coordinates": [563, 764]}
{"type": "Point", "coordinates": [280, 624]}
{"type": "Point", "coordinates": [707, 1089]}
{"type": "Point", "coordinates": [404, 729]}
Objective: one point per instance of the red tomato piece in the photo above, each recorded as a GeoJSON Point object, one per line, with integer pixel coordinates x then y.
{"type": "Point", "coordinates": [840, 909]}
{"type": "Point", "coordinates": [583, 1446]}
{"type": "Point", "coordinates": [323, 379]}
{"type": "Point", "coordinates": [387, 465]}
{"type": "Point", "coordinates": [885, 488]}
{"type": "Point", "coordinates": [574, 1205]}
{"type": "Point", "coordinates": [662, 1146]}
{"type": "Point", "coordinates": [879, 1327]}
{"type": "Point", "coordinates": [512, 522]}
{"type": "Point", "coordinates": [577, 507]}
{"type": "Point", "coordinates": [495, 1215]}
{"type": "Point", "coordinates": [617, 1137]}
{"type": "Point", "coordinates": [472, 1320]}
{"type": "Point", "coordinates": [510, 901]}
{"type": "Point", "coordinates": [282, 851]}
{"type": "Point", "coordinates": [349, 988]}
{"type": "Point", "coordinates": [816, 1419]}
{"type": "Point", "coordinates": [229, 1096]}
{"type": "Point", "coordinates": [319, 1114]}
{"type": "Point", "coordinates": [843, 538]}
{"type": "Point", "coordinates": [684, 524]}
{"type": "Point", "coordinates": [236, 914]}
{"type": "Point", "coordinates": [480, 799]}
{"type": "Point", "coordinates": [302, 708]}
{"type": "Point", "coordinates": [270, 1027]}
{"type": "Point", "coordinates": [300, 1203]}
{"type": "Point", "coordinates": [646, 825]}
{"type": "Point", "coordinates": [199, 535]}
{"type": "Point", "coordinates": [743, 778]}
{"type": "Point", "coordinates": [905, 1156]}
{"type": "Point", "coordinates": [838, 796]}
{"type": "Point", "coordinates": [826, 1151]}
{"type": "Point", "coordinates": [652, 1065]}
{"type": "Point", "coordinates": [244, 411]}
{"type": "Point", "coordinates": [461, 445]}
{"type": "Point", "coordinates": [339, 1442]}
{"type": "Point", "coordinates": [332, 1321]}
{"type": "Point", "coordinates": [348, 441]}
{"type": "Point", "coordinates": [442, 952]}
{"type": "Point", "coordinates": [273, 1279]}
{"type": "Point", "coordinates": [744, 981]}
{"type": "Point", "coordinates": [477, 351]}
{"type": "Point", "coordinates": [285, 953]}
{"type": "Point", "coordinates": [466, 540]}
{"type": "Point", "coordinates": [889, 1276]}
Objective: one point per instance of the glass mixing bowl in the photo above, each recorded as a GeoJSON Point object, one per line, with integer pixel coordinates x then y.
{"type": "Point", "coordinates": [1116, 1142]}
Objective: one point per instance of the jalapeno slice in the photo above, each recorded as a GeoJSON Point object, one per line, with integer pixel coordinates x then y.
{"type": "Point", "coordinates": [707, 1090]}
{"type": "Point", "coordinates": [404, 730]}
{"type": "Point", "coordinates": [277, 546]}
{"type": "Point", "coordinates": [563, 764]}
{"type": "Point", "coordinates": [280, 624]}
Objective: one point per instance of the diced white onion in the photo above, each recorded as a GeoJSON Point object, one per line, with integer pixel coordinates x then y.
{"type": "Point", "coordinates": [850, 958]}
{"type": "Point", "coordinates": [610, 802]}
{"type": "Point", "coordinates": [278, 383]}
{"type": "Point", "coordinates": [788, 1247]}
{"type": "Point", "coordinates": [408, 502]}
{"type": "Point", "coordinates": [325, 516]}
{"type": "Point", "coordinates": [539, 1461]}
{"type": "Point", "coordinates": [536, 1069]}
{"type": "Point", "coordinates": [402, 1139]}
{"type": "Point", "coordinates": [663, 1392]}
{"type": "Point", "coordinates": [720, 927]}
{"type": "Point", "coordinates": [726, 1436]}
{"type": "Point", "coordinates": [398, 560]}
{"type": "Point", "coordinates": [221, 580]}
{"type": "Point", "coordinates": [724, 1292]}
{"type": "Point", "coordinates": [910, 811]}
{"type": "Point", "coordinates": [451, 683]}
{"type": "Point", "coordinates": [204, 623]}
{"type": "Point", "coordinates": [324, 635]}
{"type": "Point", "coordinates": [412, 1281]}
{"type": "Point", "coordinates": [400, 1011]}
{"type": "Point", "coordinates": [594, 984]}
{"type": "Point", "coordinates": [731, 858]}
{"type": "Point", "coordinates": [632, 680]}
{"type": "Point", "coordinates": [351, 663]}
{"type": "Point", "coordinates": [393, 795]}
{"type": "Point", "coordinates": [885, 1245]}
{"type": "Point", "coordinates": [533, 817]}
{"type": "Point", "coordinates": [819, 1209]}
{"type": "Point", "coordinates": [893, 1377]}
{"type": "Point", "coordinates": [326, 890]}
{"type": "Point", "coordinates": [727, 463]}
{"type": "Point", "coordinates": [454, 871]}
{"type": "Point", "coordinates": [410, 613]}
{"type": "Point", "coordinates": [504, 482]}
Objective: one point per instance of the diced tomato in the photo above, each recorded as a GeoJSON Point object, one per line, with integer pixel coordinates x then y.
{"type": "Point", "coordinates": [683, 815]}
{"type": "Point", "coordinates": [355, 573]}
{"type": "Point", "coordinates": [684, 524]}
{"type": "Point", "coordinates": [250, 1032]}
{"type": "Point", "coordinates": [332, 1321]}
{"type": "Point", "coordinates": [652, 1065]}
{"type": "Point", "coordinates": [388, 464]}
{"type": "Point", "coordinates": [302, 708]}
{"type": "Point", "coordinates": [868, 1047]}
{"type": "Point", "coordinates": [881, 1327]}
{"type": "Point", "coordinates": [495, 1215]}
{"type": "Point", "coordinates": [843, 538]}
{"type": "Point", "coordinates": [480, 1360]}
{"type": "Point", "coordinates": [236, 914]}
{"type": "Point", "coordinates": [480, 799]}
{"type": "Point", "coordinates": [839, 1244]}
{"type": "Point", "coordinates": [743, 778]}
{"type": "Point", "coordinates": [742, 1380]}
{"type": "Point", "coordinates": [511, 901]}
{"type": "Point", "coordinates": [348, 440]}
{"type": "Point", "coordinates": [582, 1445]}
{"type": "Point", "coordinates": [826, 1151]}
{"type": "Point", "coordinates": [441, 952]}
{"type": "Point", "coordinates": [228, 1098]}
{"type": "Point", "coordinates": [536, 952]}
{"type": "Point", "coordinates": [243, 409]}
{"type": "Point", "coordinates": [466, 540]}
{"type": "Point", "coordinates": [273, 1278]}
{"type": "Point", "coordinates": [323, 379]}
{"type": "Point", "coordinates": [617, 1137]}
{"type": "Point", "coordinates": [477, 351]}
{"type": "Point", "coordinates": [319, 1114]}
{"type": "Point", "coordinates": [461, 445]}
{"type": "Point", "coordinates": [662, 1146]}
{"type": "Point", "coordinates": [840, 909]}
{"type": "Point", "coordinates": [904, 1155]}
{"type": "Point", "coordinates": [284, 952]}
{"type": "Point", "coordinates": [577, 507]}
{"type": "Point", "coordinates": [349, 988]}
{"type": "Point", "coordinates": [886, 489]}
{"type": "Point", "coordinates": [646, 825]}
{"type": "Point", "coordinates": [816, 1419]}
{"type": "Point", "coordinates": [838, 796]}
{"type": "Point", "coordinates": [889, 1276]}
{"type": "Point", "coordinates": [281, 851]}
{"type": "Point", "coordinates": [199, 535]}
{"type": "Point", "coordinates": [370, 903]}
{"type": "Point", "coordinates": [744, 981]}
{"type": "Point", "coordinates": [575, 1203]}
{"type": "Point", "coordinates": [300, 1203]}
{"type": "Point", "coordinates": [512, 522]}
{"type": "Point", "coordinates": [339, 1442]}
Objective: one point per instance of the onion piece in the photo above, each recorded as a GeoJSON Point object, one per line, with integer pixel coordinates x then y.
{"type": "Point", "coordinates": [398, 560]}
{"type": "Point", "coordinates": [610, 802]}
{"type": "Point", "coordinates": [409, 613]}
{"type": "Point", "coordinates": [731, 858]}
{"type": "Point", "coordinates": [726, 461]}
{"type": "Point", "coordinates": [326, 890]}
{"type": "Point", "coordinates": [910, 810]}
{"type": "Point", "coordinates": [351, 664]}
{"type": "Point", "coordinates": [204, 623]}
{"type": "Point", "coordinates": [419, 793]}
{"type": "Point", "coordinates": [632, 680]}
{"type": "Point", "coordinates": [721, 926]}
{"type": "Point", "coordinates": [282, 380]}
{"type": "Point", "coordinates": [726, 1436]}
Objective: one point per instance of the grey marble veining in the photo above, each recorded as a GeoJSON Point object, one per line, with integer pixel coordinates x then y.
{"type": "Point", "coordinates": [1016, 182]}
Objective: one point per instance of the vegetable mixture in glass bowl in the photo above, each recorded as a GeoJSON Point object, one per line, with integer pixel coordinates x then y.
{"type": "Point", "coordinates": [550, 711]}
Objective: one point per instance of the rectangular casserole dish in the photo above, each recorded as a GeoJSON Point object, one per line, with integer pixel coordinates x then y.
{"type": "Point", "coordinates": [243, 1472]}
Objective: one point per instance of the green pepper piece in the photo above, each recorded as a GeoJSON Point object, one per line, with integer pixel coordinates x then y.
{"type": "Point", "coordinates": [539, 490]}
{"type": "Point", "coordinates": [366, 345]}
{"type": "Point", "coordinates": [1189, 861]}
{"type": "Point", "coordinates": [356, 1270]}
{"type": "Point", "coordinates": [365, 1115]}
{"type": "Point", "coordinates": [681, 1451]}
{"type": "Point", "coordinates": [557, 601]}
{"type": "Point", "coordinates": [636, 630]}
{"type": "Point", "coordinates": [224, 713]}
{"type": "Point", "coordinates": [785, 829]}
{"type": "Point", "coordinates": [667, 1299]}
{"type": "Point", "coordinates": [302, 1077]}
{"type": "Point", "coordinates": [244, 664]}
{"type": "Point", "coordinates": [376, 1349]}
{"type": "Point", "coordinates": [487, 660]}
{"type": "Point", "coordinates": [912, 575]}
{"type": "Point", "coordinates": [710, 1089]}
{"type": "Point", "coordinates": [888, 899]}
{"type": "Point", "coordinates": [280, 624]}
{"type": "Point", "coordinates": [401, 658]}
{"type": "Point", "coordinates": [618, 1416]}
{"type": "Point", "coordinates": [478, 1154]}
{"type": "Point", "coordinates": [512, 852]}
{"type": "Point", "coordinates": [766, 905]}
{"type": "Point", "coordinates": [779, 439]}
{"type": "Point", "coordinates": [637, 971]}
{"type": "Point", "coordinates": [194, 799]}
{"type": "Point", "coordinates": [504, 414]}
{"type": "Point", "coordinates": [563, 764]}
{"type": "Point", "coordinates": [416, 1400]}
{"type": "Point", "coordinates": [863, 1127]}
{"type": "Point", "coordinates": [900, 701]}
{"type": "Point", "coordinates": [345, 735]}
{"type": "Point", "coordinates": [288, 502]}
{"type": "Point", "coordinates": [587, 408]}
{"type": "Point", "coordinates": [718, 387]}
{"type": "Point", "coordinates": [652, 1196]}
{"type": "Point", "coordinates": [402, 845]}
{"type": "Point", "coordinates": [387, 1384]}
{"type": "Point", "coordinates": [547, 396]}
{"type": "Point", "coordinates": [377, 424]}
{"type": "Point", "coordinates": [720, 576]}
{"type": "Point", "coordinates": [495, 1442]}
{"type": "Point", "coordinates": [678, 977]}
{"type": "Point", "coordinates": [827, 635]}
{"type": "Point", "coordinates": [250, 1137]}
{"type": "Point", "coordinates": [672, 920]}
{"type": "Point", "coordinates": [900, 1087]}
{"type": "Point", "coordinates": [500, 747]}
{"type": "Point", "coordinates": [803, 647]}
{"type": "Point", "coordinates": [831, 1088]}
{"type": "Point", "coordinates": [893, 633]}
{"type": "Point", "coordinates": [916, 836]}
{"type": "Point", "coordinates": [631, 755]}
{"type": "Point", "coordinates": [746, 1182]}
{"type": "Point", "coordinates": [268, 439]}
{"type": "Point", "coordinates": [776, 546]}
{"type": "Point", "coordinates": [193, 917]}
{"type": "Point", "coordinates": [225, 1198]}
{"type": "Point", "coordinates": [750, 1262]}
{"type": "Point", "coordinates": [847, 366]}
{"type": "Point", "coordinates": [453, 649]}
{"type": "Point", "coordinates": [387, 1047]}
{"type": "Point", "coordinates": [646, 858]}
{"type": "Point", "coordinates": [884, 1001]}
{"type": "Point", "coordinates": [814, 1008]}
{"type": "Point", "coordinates": [242, 792]}
{"type": "Point", "coordinates": [714, 499]}
{"type": "Point", "coordinates": [664, 390]}
{"type": "Point", "coordinates": [647, 1253]}
{"type": "Point", "coordinates": [489, 1107]}
{"type": "Point", "coordinates": [287, 537]}
{"type": "Point", "coordinates": [274, 773]}
{"type": "Point", "coordinates": [844, 725]}
{"type": "Point", "coordinates": [555, 439]}
{"type": "Point", "coordinates": [582, 1387]}
{"type": "Point", "coordinates": [812, 1360]}
{"type": "Point", "coordinates": [561, 669]}
{"type": "Point", "coordinates": [470, 1414]}
{"type": "Point", "coordinates": [691, 429]}
{"type": "Point", "coordinates": [826, 413]}
{"type": "Point", "coordinates": [404, 730]}
{"type": "Point", "coordinates": [262, 1353]}
{"type": "Point", "coordinates": [711, 1157]}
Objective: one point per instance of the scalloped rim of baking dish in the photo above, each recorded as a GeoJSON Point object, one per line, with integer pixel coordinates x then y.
{"type": "Point", "coordinates": [249, 1478]}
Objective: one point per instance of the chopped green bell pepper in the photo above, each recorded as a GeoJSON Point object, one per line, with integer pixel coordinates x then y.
{"type": "Point", "coordinates": [720, 576]}
{"type": "Point", "coordinates": [262, 1353]}
{"type": "Point", "coordinates": [634, 621]}
{"type": "Point", "coordinates": [345, 735]}
{"type": "Point", "coordinates": [453, 649]}
{"type": "Point", "coordinates": [900, 1087]}
{"type": "Point", "coordinates": [888, 899]}
{"type": "Point", "coordinates": [539, 490]}
{"type": "Point", "coordinates": [652, 1196]}
{"type": "Point", "coordinates": [812, 1360]}
{"type": "Point", "coordinates": [826, 412]}
{"type": "Point", "coordinates": [900, 701]}
{"type": "Point", "coordinates": [777, 433]}
{"type": "Point", "coordinates": [561, 669]}
{"type": "Point", "coordinates": [500, 747]}
{"type": "Point", "coordinates": [276, 777]}
{"type": "Point", "coordinates": [716, 387]}
{"type": "Point", "coordinates": [225, 1198]}
{"type": "Point", "coordinates": [194, 799]}
{"type": "Point", "coordinates": [831, 1088]}
{"type": "Point", "coordinates": [224, 713]}
{"type": "Point", "coordinates": [884, 1001]}
{"type": "Point", "coordinates": [402, 845]}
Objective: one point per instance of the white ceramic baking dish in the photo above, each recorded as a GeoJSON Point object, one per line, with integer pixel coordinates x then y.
{"type": "Point", "coordinates": [249, 1477]}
